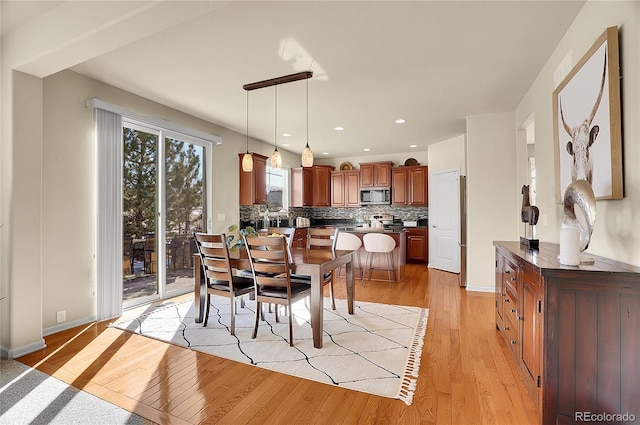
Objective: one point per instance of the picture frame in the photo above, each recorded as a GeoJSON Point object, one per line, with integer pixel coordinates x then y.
{"type": "Point", "coordinates": [588, 131]}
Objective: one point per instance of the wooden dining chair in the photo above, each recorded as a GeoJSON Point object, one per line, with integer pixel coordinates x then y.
{"type": "Point", "coordinates": [269, 259]}
{"type": "Point", "coordinates": [286, 231]}
{"type": "Point", "coordinates": [321, 238]}
{"type": "Point", "coordinates": [219, 275]}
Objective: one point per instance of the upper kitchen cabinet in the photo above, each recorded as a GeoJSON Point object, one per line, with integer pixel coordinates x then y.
{"type": "Point", "coordinates": [375, 174]}
{"type": "Point", "coordinates": [345, 188]}
{"type": "Point", "coordinates": [253, 184]}
{"type": "Point", "coordinates": [311, 186]}
{"type": "Point", "coordinates": [409, 185]}
{"type": "Point", "coordinates": [301, 187]}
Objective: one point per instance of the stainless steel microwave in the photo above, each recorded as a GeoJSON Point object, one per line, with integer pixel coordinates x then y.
{"type": "Point", "coordinates": [375, 196]}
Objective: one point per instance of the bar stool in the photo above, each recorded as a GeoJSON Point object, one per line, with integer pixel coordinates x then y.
{"type": "Point", "coordinates": [379, 243]}
{"type": "Point", "coordinates": [350, 242]}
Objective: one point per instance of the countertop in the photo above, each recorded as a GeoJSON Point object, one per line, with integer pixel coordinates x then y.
{"type": "Point", "coordinates": [373, 230]}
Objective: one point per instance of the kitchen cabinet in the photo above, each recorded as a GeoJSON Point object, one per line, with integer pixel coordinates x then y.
{"type": "Point", "coordinates": [345, 188]}
{"type": "Point", "coordinates": [417, 245]}
{"type": "Point", "coordinates": [573, 331]}
{"type": "Point", "coordinates": [321, 183]}
{"type": "Point", "coordinates": [375, 174]}
{"type": "Point", "coordinates": [301, 187]}
{"type": "Point", "coordinates": [253, 184]}
{"type": "Point", "coordinates": [300, 237]}
{"type": "Point", "coordinates": [311, 186]}
{"type": "Point", "coordinates": [409, 185]}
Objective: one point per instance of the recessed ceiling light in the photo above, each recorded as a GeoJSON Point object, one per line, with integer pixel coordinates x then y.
{"type": "Point", "coordinates": [286, 134]}
{"type": "Point", "coordinates": [286, 145]}
{"type": "Point", "coordinates": [325, 153]}
{"type": "Point", "coordinates": [401, 121]}
{"type": "Point", "coordinates": [366, 149]}
{"type": "Point", "coordinates": [413, 146]}
{"type": "Point", "coordinates": [339, 128]}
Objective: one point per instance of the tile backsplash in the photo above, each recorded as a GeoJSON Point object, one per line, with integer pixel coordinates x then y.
{"type": "Point", "coordinates": [250, 214]}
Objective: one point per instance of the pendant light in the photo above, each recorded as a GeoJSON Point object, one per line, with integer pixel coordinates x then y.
{"type": "Point", "coordinates": [276, 158]}
{"type": "Point", "coordinates": [307, 154]}
{"type": "Point", "coordinates": [247, 159]}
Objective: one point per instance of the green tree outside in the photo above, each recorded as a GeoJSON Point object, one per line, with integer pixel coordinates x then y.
{"type": "Point", "coordinates": [183, 186]}
{"type": "Point", "coordinates": [139, 182]}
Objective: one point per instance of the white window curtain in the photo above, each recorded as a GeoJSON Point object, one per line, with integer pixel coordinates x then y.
{"type": "Point", "coordinates": [108, 139]}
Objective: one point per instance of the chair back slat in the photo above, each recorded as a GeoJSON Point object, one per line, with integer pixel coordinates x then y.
{"type": "Point", "coordinates": [322, 238]}
{"type": "Point", "coordinates": [288, 232]}
{"type": "Point", "coordinates": [214, 263]}
{"type": "Point", "coordinates": [214, 257]}
{"type": "Point", "coordinates": [213, 251]}
{"type": "Point", "coordinates": [269, 260]}
{"type": "Point", "coordinates": [268, 267]}
{"type": "Point", "coordinates": [218, 276]}
{"type": "Point", "coordinates": [208, 238]}
{"type": "Point", "coordinates": [268, 254]}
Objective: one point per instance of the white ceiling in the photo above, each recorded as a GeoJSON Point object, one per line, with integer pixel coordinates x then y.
{"type": "Point", "coordinates": [430, 62]}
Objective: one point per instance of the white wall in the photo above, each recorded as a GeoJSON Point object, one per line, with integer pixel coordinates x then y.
{"type": "Point", "coordinates": [448, 154]}
{"type": "Point", "coordinates": [22, 318]}
{"type": "Point", "coordinates": [68, 168]}
{"type": "Point", "coordinates": [615, 234]}
{"type": "Point", "coordinates": [491, 191]}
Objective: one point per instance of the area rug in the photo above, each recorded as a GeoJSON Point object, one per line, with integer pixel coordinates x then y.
{"type": "Point", "coordinates": [31, 397]}
{"type": "Point", "coordinates": [377, 350]}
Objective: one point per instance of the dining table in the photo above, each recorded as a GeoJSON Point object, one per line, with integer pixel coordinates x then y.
{"type": "Point", "coordinates": [313, 262]}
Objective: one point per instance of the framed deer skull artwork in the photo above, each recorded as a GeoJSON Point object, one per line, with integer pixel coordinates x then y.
{"type": "Point", "coordinates": [586, 122]}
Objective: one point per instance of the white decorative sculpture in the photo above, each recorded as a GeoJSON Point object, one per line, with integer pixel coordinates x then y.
{"type": "Point", "coordinates": [580, 194]}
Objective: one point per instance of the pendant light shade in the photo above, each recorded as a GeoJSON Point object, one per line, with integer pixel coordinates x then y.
{"type": "Point", "coordinates": [247, 158]}
{"type": "Point", "coordinates": [307, 154]}
{"type": "Point", "coordinates": [247, 162]}
{"type": "Point", "coordinates": [307, 157]}
{"type": "Point", "coordinates": [276, 158]}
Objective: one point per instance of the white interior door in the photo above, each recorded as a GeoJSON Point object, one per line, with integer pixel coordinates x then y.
{"type": "Point", "coordinates": [444, 220]}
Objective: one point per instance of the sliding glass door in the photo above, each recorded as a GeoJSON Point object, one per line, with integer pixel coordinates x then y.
{"type": "Point", "coordinates": [184, 209]}
{"type": "Point", "coordinates": [163, 194]}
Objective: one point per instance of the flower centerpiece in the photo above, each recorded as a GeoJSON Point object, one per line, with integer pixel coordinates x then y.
{"type": "Point", "coordinates": [234, 235]}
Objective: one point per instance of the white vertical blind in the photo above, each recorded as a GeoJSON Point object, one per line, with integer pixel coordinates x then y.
{"type": "Point", "coordinates": [108, 134]}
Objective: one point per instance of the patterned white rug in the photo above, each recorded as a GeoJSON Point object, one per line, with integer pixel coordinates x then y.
{"type": "Point", "coordinates": [31, 397]}
{"type": "Point", "coordinates": [377, 350]}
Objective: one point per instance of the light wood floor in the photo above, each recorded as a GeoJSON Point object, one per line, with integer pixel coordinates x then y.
{"type": "Point", "coordinates": [467, 374]}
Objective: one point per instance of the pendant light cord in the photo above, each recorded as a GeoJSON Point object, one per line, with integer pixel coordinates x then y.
{"type": "Point", "coordinates": [247, 121]}
{"type": "Point", "coordinates": [276, 114]}
{"type": "Point", "coordinates": [307, 112]}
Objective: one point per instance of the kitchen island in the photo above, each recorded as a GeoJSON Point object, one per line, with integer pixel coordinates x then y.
{"type": "Point", "coordinates": [379, 272]}
{"type": "Point", "coordinates": [380, 264]}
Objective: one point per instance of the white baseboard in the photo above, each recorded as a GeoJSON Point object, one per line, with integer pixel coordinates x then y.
{"type": "Point", "coordinates": [67, 325]}
{"type": "Point", "coordinates": [481, 288]}
{"type": "Point", "coordinates": [13, 353]}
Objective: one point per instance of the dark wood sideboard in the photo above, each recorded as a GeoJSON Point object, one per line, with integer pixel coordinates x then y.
{"type": "Point", "coordinates": [574, 332]}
